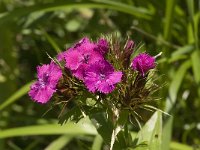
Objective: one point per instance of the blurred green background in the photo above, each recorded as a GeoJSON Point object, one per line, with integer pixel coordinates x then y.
{"type": "Point", "coordinates": [29, 29]}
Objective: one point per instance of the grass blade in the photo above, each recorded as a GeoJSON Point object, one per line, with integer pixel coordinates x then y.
{"type": "Point", "coordinates": [21, 92]}
{"type": "Point", "coordinates": [183, 50]}
{"type": "Point", "coordinates": [178, 146]}
{"type": "Point", "coordinates": [59, 143]}
{"type": "Point", "coordinates": [169, 13]}
{"type": "Point", "coordinates": [195, 58]}
{"type": "Point", "coordinates": [69, 128]}
{"type": "Point", "coordinates": [63, 5]}
{"type": "Point", "coordinates": [190, 5]}
{"type": "Point", "coordinates": [136, 11]}
{"type": "Point", "coordinates": [97, 143]}
{"type": "Point", "coordinates": [167, 133]}
{"type": "Point", "coordinates": [176, 83]}
{"type": "Point", "coordinates": [51, 41]}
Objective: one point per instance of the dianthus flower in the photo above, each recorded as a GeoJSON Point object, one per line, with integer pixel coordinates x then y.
{"type": "Point", "coordinates": [101, 77]}
{"type": "Point", "coordinates": [80, 57]}
{"type": "Point", "coordinates": [85, 40]}
{"type": "Point", "coordinates": [48, 76]}
{"type": "Point", "coordinates": [143, 63]}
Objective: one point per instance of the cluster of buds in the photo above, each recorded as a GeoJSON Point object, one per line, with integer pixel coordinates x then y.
{"type": "Point", "coordinates": [107, 69]}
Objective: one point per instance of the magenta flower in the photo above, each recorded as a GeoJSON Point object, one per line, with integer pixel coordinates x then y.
{"type": "Point", "coordinates": [143, 63]}
{"type": "Point", "coordinates": [61, 56]}
{"type": "Point", "coordinates": [102, 46]}
{"type": "Point", "coordinates": [82, 42]}
{"type": "Point", "coordinates": [48, 76]}
{"type": "Point", "coordinates": [101, 77]}
{"type": "Point", "coordinates": [82, 55]}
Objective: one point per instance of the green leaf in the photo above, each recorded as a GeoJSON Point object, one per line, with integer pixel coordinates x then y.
{"type": "Point", "coordinates": [63, 5]}
{"type": "Point", "coordinates": [33, 17]}
{"type": "Point", "coordinates": [167, 133]}
{"type": "Point", "coordinates": [176, 83]}
{"type": "Point", "coordinates": [21, 92]}
{"type": "Point", "coordinates": [177, 58]}
{"type": "Point", "coordinates": [59, 143]}
{"type": "Point", "coordinates": [97, 144]}
{"type": "Point", "coordinates": [195, 58]}
{"type": "Point", "coordinates": [183, 50]}
{"type": "Point", "coordinates": [103, 126]}
{"type": "Point", "coordinates": [196, 19]}
{"type": "Point", "coordinates": [190, 5]}
{"type": "Point", "coordinates": [193, 24]}
{"type": "Point", "coordinates": [156, 109]}
{"type": "Point", "coordinates": [135, 11]}
{"type": "Point", "coordinates": [69, 128]}
{"type": "Point", "coordinates": [52, 42]}
{"type": "Point", "coordinates": [190, 33]}
{"type": "Point", "coordinates": [151, 133]}
{"type": "Point", "coordinates": [123, 117]}
{"type": "Point", "coordinates": [169, 144]}
{"type": "Point", "coordinates": [179, 146]}
{"type": "Point", "coordinates": [169, 15]}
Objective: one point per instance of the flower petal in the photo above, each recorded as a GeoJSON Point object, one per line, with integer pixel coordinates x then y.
{"type": "Point", "coordinates": [115, 77]}
{"type": "Point", "coordinates": [72, 59]}
{"type": "Point", "coordinates": [41, 95]}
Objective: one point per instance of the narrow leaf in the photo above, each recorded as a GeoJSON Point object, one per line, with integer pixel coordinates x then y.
{"type": "Point", "coordinates": [59, 143]}
{"type": "Point", "coordinates": [52, 42]}
{"type": "Point", "coordinates": [179, 146]}
{"type": "Point", "coordinates": [169, 15]}
{"type": "Point", "coordinates": [69, 128]}
{"type": "Point", "coordinates": [183, 50]}
{"type": "Point", "coordinates": [167, 132]}
{"type": "Point", "coordinates": [63, 5]}
{"type": "Point", "coordinates": [97, 144]}
{"type": "Point", "coordinates": [195, 58]}
{"type": "Point", "coordinates": [176, 82]}
{"type": "Point", "coordinates": [18, 94]}
{"type": "Point", "coordinates": [190, 5]}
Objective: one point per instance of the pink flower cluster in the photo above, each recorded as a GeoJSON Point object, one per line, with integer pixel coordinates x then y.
{"type": "Point", "coordinates": [86, 60]}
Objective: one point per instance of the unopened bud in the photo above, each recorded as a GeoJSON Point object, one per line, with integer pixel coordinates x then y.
{"type": "Point", "coordinates": [129, 44]}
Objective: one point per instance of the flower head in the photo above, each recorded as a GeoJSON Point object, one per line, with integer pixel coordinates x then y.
{"type": "Point", "coordinates": [80, 57]}
{"type": "Point", "coordinates": [102, 46]}
{"type": "Point", "coordinates": [101, 77]}
{"type": "Point", "coordinates": [48, 76]}
{"type": "Point", "coordinates": [143, 63]}
{"type": "Point", "coordinates": [83, 42]}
